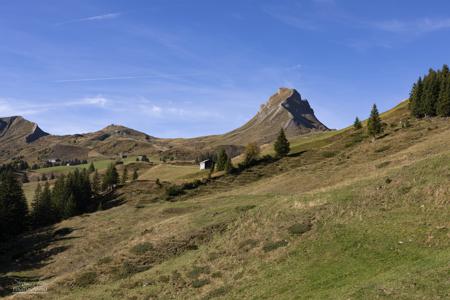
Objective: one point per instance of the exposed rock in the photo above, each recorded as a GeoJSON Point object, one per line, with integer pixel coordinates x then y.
{"type": "Point", "coordinates": [286, 109]}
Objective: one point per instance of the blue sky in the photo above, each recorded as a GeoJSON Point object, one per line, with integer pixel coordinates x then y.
{"type": "Point", "coordinates": [176, 68]}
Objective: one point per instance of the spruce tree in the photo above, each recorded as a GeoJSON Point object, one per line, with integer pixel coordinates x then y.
{"type": "Point", "coordinates": [222, 158]}
{"type": "Point", "coordinates": [281, 145]}
{"type": "Point", "coordinates": [229, 166]}
{"type": "Point", "coordinates": [13, 205]}
{"type": "Point", "coordinates": [111, 177]}
{"type": "Point", "coordinates": [135, 175]}
{"type": "Point", "coordinates": [374, 126]}
{"type": "Point", "coordinates": [25, 178]}
{"type": "Point", "coordinates": [252, 152]}
{"type": "Point", "coordinates": [443, 102]}
{"type": "Point", "coordinates": [91, 168]}
{"type": "Point", "coordinates": [42, 213]}
{"type": "Point", "coordinates": [357, 124]}
{"type": "Point", "coordinates": [59, 196]}
{"type": "Point", "coordinates": [124, 178]}
{"type": "Point", "coordinates": [96, 183]}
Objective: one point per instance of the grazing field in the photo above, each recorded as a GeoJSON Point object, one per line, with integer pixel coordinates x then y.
{"type": "Point", "coordinates": [173, 173]}
{"type": "Point", "coordinates": [342, 217]}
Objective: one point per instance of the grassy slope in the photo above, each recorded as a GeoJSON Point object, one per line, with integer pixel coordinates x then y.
{"type": "Point", "coordinates": [377, 211]}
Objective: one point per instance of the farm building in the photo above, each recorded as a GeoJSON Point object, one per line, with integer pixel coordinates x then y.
{"type": "Point", "coordinates": [206, 164]}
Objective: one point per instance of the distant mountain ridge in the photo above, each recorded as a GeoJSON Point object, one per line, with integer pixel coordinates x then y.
{"type": "Point", "coordinates": [286, 109]}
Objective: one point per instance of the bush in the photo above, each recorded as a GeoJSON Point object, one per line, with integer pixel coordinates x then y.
{"type": "Point", "coordinates": [198, 283]}
{"type": "Point", "coordinates": [329, 154]}
{"type": "Point", "coordinates": [142, 248]}
{"type": "Point", "coordinates": [174, 190]}
{"type": "Point", "coordinates": [271, 246]}
{"type": "Point", "coordinates": [86, 279]}
{"type": "Point", "coordinates": [197, 271]}
{"type": "Point", "coordinates": [299, 228]}
{"type": "Point", "coordinates": [244, 208]}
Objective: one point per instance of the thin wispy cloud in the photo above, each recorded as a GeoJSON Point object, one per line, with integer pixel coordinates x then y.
{"type": "Point", "coordinates": [107, 78]}
{"type": "Point", "coordinates": [420, 26]}
{"type": "Point", "coordinates": [107, 16]}
{"type": "Point", "coordinates": [288, 18]}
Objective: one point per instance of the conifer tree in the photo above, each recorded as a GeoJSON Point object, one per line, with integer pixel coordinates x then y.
{"type": "Point", "coordinates": [96, 183]}
{"type": "Point", "coordinates": [13, 205]}
{"type": "Point", "coordinates": [251, 153]}
{"type": "Point", "coordinates": [357, 124]}
{"type": "Point", "coordinates": [229, 166]}
{"type": "Point", "coordinates": [59, 196]}
{"type": "Point", "coordinates": [443, 102]}
{"type": "Point", "coordinates": [25, 178]}
{"type": "Point", "coordinates": [222, 158]}
{"type": "Point", "coordinates": [374, 125]}
{"type": "Point", "coordinates": [281, 145]}
{"type": "Point", "coordinates": [135, 175]}
{"type": "Point", "coordinates": [111, 177]}
{"type": "Point", "coordinates": [91, 168]}
{"type": "Point", "coordinates": [124, 178]}
{"type": "Point", "coordinates": [42, 210]}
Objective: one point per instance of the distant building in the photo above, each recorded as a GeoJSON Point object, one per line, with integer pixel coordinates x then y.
{"type": "Point", "coordinates": [123, 155]}
{"type": "Point", "coordinates": [54, 160]}
{"type": "Point", "coordinates": [142, 158]}
{"type": "Point", "coordinates": [206, 164]}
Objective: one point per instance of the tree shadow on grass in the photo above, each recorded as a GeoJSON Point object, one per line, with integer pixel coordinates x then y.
{"type": "Point", "coordinates": [29, 251]}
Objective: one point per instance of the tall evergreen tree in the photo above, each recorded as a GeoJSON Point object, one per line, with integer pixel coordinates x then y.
{"type": "Point", "coordinates": [228, 166]}
{"type": "Point", "coordinates": [96, 188]}
{"type": "Point", "coordinates": [13, 205]}
{"type": "Point", "coordinates": [42, 213]}
{"type": "Point", "coordinates": [357, 124]}
{"type": "Point", "coordinates": [135, 175]}
{"type": "Point", "coordinates": [252, 152]}
{"type": "Point", "coordinates": [222, 158]}
{"type": "Point", "coordinates": [374, 125]}
{"type": "Point", "coordinates": [124, 177]}
{"type": "Point", "coordinates": [281, 145]}
{"type": "Point", "coordinates": [91, 168]}
{"type": "Point", "coordinates": [59, 196]}
{"type": "Point", "coordinates": [111, 177]}
{"type": "Point", "coordinates": [443, 102]}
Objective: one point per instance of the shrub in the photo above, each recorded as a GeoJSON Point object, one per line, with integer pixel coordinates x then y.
{"type": "Point", "coordinates": [329, 154]}
{"type": "Point", "coordinates": [174, 190]}
{"type": "Point", "coordinates": [299, 228]}
{"type": "Point", "coordinates": [86, 279]}
{"type": "Point", "coordinates": [197, 271]}
{"type": "Point", "coordinates": [271, 246]}
{"type": "Point", "coordinates": [198, 283]}
{"type": "Point", "coordinates": [244, 208]}
{"type": "Point", "coordinates": [142, 248]}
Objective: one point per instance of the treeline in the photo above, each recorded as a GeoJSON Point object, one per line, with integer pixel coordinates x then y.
{"type": "Point", "coordinates": [430, 95]}
{"type": "Point", "coordinates": [73, 194]}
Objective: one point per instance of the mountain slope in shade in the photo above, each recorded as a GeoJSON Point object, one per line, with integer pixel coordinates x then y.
{"type": "Point", "coordinates": [286, 109]}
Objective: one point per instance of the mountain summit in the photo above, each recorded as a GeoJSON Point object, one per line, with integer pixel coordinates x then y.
{"type": "Point", "coordinates": [286, 109]}
{"type": "Point", "coordinates": [17, 129]}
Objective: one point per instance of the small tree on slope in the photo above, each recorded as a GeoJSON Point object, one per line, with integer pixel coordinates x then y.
{"type": "Point", "coordinates": [374, 126]}
{"type": "Point", "coordinates": [281, 145]}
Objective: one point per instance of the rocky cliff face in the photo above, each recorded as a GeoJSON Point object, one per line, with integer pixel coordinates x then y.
{"type": "Point", "coordinates": [286, 109]}
{"type": "Point", "coordinates": [17, 129]}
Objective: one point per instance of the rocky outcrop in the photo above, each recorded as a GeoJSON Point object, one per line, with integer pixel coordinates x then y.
{"type": "Point", "coordinates": [17, 129]}
{"type": "Point", "coordinates": [286, 109]}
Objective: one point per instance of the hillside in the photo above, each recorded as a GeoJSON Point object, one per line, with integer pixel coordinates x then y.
{"type": "Point", "coordinates": [286, 109]}
{"type": "Point", "coordinates": [342, 217]}
{"type": "Point", "coordinates": [16, 133]}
